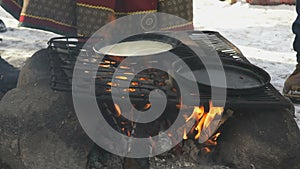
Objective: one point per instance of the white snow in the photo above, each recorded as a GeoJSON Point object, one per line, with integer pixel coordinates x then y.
{"type": "Point", "coordinates": [262, 33]}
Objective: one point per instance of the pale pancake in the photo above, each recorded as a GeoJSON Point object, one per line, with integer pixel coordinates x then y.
{"type": "Point", "coordinates": [135, 48]}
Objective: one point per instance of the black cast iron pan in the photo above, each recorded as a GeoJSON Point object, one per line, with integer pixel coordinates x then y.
{"type": "Point", "coordinates": [241, 78]}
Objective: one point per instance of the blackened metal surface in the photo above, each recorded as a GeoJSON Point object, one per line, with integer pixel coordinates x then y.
{"type": "Point", "coordinates": [64, 51]}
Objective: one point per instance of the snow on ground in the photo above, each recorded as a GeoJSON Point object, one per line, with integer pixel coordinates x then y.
{"type": "Point", "coordinates": [262, 33]}
{"type": "Point", "coordinates": [20, 43]}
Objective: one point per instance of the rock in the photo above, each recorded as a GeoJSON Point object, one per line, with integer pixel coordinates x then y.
{"type": "Point", "coordinates": [260, 139]}
{"type": "Point", "coordinates": [8, 76]}
{"type": "Point", "coordinates": [101, 159]}
{"type": "Point", "coordinates": [1, 95]}
{"type": "Point", "coordinates": [36, 68]}
{"type": "Point", "coordinates": [38, 126]}
{"type": "Point", "coordinates": [136, 163]}
{"type": "Point", "coordinates": [3, 165]}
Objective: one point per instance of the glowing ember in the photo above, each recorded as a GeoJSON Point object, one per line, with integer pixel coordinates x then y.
{"type": "Point", "coordinates": [128, 133]}
{"type": "Point", "coordinates": [129, 90]}
{"type": "Point", "coordinates": [112, 84]}
{"type": "Point", "coordinates": [121, 77]}
{"type": "Point", "coordinates": [161, 84]}
{"type": "Point", "coordinates": [134, 83]}
{"type": "Point", "coordinates": [128, 73]}
{"type": "Point", "coordinates": [143, 79]}
{"type": "Point", "coordinates": [117, 58]}
{"type": "Point", "coordinates": [147, 106]}
{"type": "Point", "coordinates": [104, 66]}
{"type": "Point", "coordinates": [118, 110]}
{"type": "Point", "coordinates": [206, 150]}
{"type": "Point", "coordinates": [124, 67]}
{"type": "Point", "coordinates": [185, 137]}
{"type": "Point", "coordinates": [110, 62]}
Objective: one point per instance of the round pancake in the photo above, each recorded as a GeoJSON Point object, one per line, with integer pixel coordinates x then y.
{"type": "Point", "coordinates": [135, 48]}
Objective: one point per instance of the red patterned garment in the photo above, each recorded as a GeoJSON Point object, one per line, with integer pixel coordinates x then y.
{"type": "Point", "coordinates": [84, 17]}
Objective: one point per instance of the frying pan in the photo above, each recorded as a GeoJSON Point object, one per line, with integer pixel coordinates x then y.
{"type": "Point", "coordinates": [241, 78]}
{"type": "Point", "coordinates": [133, 43]}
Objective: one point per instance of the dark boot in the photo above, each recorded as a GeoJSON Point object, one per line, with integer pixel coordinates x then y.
{"type": "Point", "coordinates": [2, 26]}
{"type": "Point", "coordinates": [8, 76]}
{"type": "Point", "coordinates": [293, 81]}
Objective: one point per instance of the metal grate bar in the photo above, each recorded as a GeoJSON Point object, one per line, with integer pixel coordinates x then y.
{"type": "Point", "coordinates": [63, 54]}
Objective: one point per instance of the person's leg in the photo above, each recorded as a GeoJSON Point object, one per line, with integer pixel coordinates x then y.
{"type": "Point", "coordinates": [293, 82]}
{"type": "Point", "coordinates": [296, 30]}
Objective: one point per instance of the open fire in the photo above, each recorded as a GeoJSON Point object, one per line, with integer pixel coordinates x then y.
{"type": "Point", "coordinates": [204, 131]}
{"type": "Point", "coordinates": [204, 121]}
{"type": "Point", "coordinates": [247, 140]}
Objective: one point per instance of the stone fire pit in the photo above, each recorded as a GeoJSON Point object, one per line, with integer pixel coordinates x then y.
{"type": "Point", "coordinates": [39, 129]}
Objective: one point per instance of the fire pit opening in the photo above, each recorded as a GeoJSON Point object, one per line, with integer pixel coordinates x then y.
{"type": "Point", "coordinates": [255, 131]}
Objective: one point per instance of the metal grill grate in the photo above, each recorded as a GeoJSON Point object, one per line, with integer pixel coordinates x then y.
{"type": "Point", "coordinates": [63, 53]}
{"type": "Point", "coordinates": [269, 98]}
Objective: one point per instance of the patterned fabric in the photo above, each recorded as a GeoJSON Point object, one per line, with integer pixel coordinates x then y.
{"type": "Point", "coordinates": [84, 17]}
{"type": "Point", "coordinates": [271, 2]}
{"type": "Point", "coordinates": [180, 8]}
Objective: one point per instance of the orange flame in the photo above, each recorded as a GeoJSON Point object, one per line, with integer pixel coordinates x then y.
{"type": "Point", "coordinates": [204, 121]}
{"type": "Point", "coordinates": [200, 126]}
{"type": "Point", "coordinates": [185, 137]}
{"type": "Point", "coordinates": [197, 113]}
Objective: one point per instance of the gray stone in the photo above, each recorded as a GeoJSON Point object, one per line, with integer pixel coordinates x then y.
{"type": "Point", "coordinates": [38, 126]}
{"type": "Point", "coordinates": [260, 139]}
{"type": "Point", "coordinates": [1, 95]}
{"type": "Point", "coordinates": [36, 68]}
